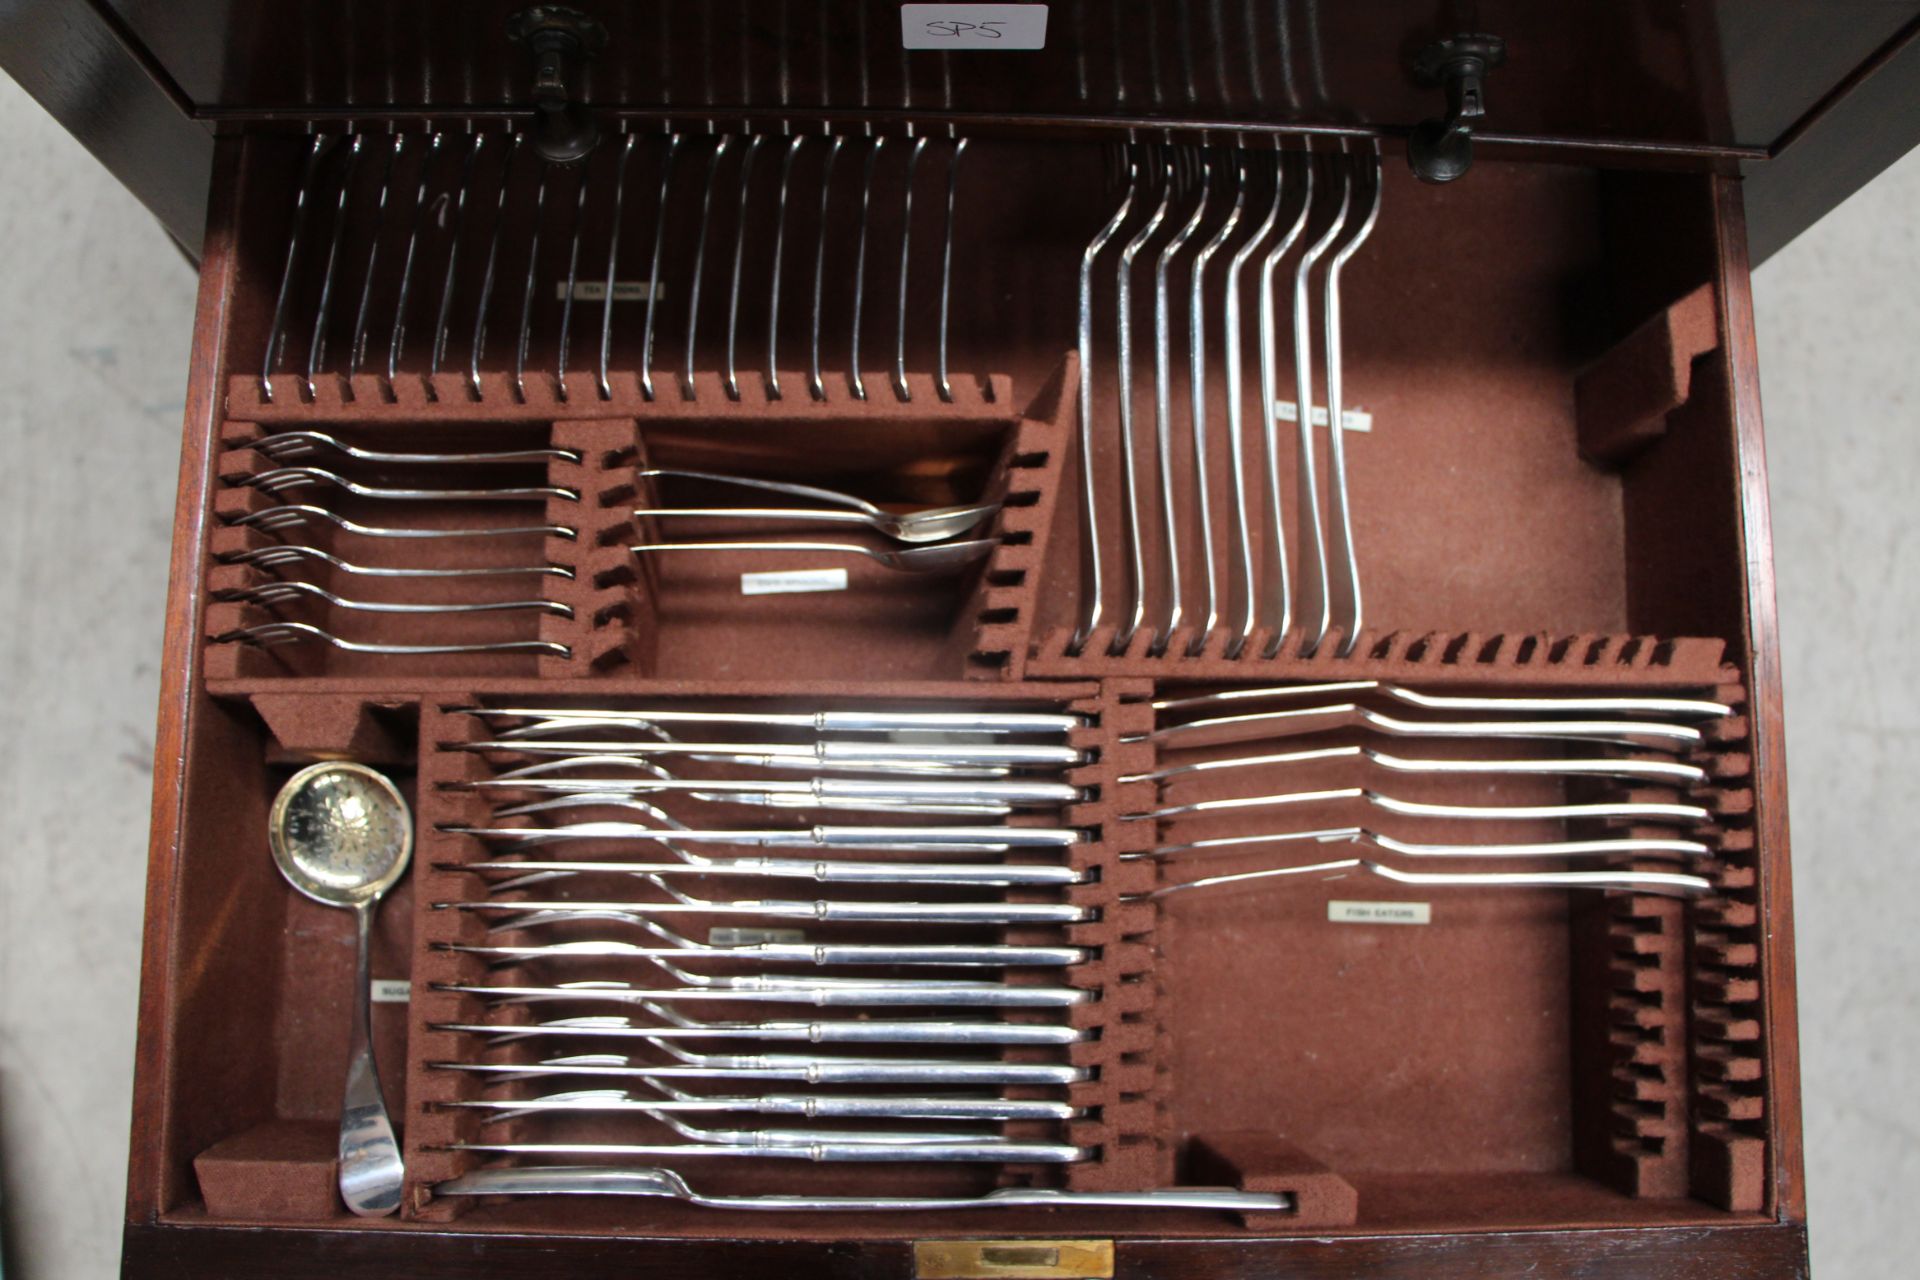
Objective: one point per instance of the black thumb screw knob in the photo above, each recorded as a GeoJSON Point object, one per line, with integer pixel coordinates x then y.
{"type": "Point", "coordinates": [1441, 149]}
{"type": "Point", "coordinates": [561, 41]}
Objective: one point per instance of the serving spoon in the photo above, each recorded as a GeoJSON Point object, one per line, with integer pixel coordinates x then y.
{"type": "Point", "coordinates": [342, 835]}
{"type": "Point", "coordinates": [931, 524]}
{"type": "Point", "coordinates": [944, 557]}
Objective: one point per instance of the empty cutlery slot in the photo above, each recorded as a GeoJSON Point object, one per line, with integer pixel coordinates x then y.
{"type": "Point", "coordinates": [253, 1048]}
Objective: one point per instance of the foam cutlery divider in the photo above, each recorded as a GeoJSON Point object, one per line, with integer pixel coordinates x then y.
{"type": "Point", "coordinates": [632, 617]}
{"type": "Point", "coordinates": [1614, 1033]}
{"type": "Point", "coordinates": [431, 1126]}
{"type": "Point", "coordinates": [1119, 1053]}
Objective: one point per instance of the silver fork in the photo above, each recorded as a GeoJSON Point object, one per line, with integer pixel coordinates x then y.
{"type": "Point", "coordinates": [284, 445]}
{"type": "Point", "coordinates": [299, 515]}
{"type": "Point", "coordinates": [292, 554]}
{"type": "Point", "coordinates": [281, 479]}
{"type": "Point", "coordinates": [270, 593]}
{"type": "Point", "coordinates": [268, 634]}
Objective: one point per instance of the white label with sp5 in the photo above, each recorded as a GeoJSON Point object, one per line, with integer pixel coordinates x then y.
{"type": "Point", "coordinates": [973, 26]}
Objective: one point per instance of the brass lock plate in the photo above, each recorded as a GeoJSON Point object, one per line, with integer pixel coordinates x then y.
{"type": "Point", "coordinates": [1012, 1259]}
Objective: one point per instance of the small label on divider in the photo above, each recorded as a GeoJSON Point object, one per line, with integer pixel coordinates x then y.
{"type": "Point", "coordinates": [390, 991]}
{"type": "Point", "coordinates": [596, 291]}
{"type": "Point", "coordinates": [1340, 912]}
{"type": "Point", "coordinates": [1351, 419]}
{"type": "Point", "coordinates": [973, 26]}
{"type": "Point", "coordinates": [789, 581]}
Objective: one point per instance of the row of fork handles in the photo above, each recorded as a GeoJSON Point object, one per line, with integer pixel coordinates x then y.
{"type": "Point", "coordinates": [444, 194]}
{"type": "Point", "coordinates": [1231, 215]}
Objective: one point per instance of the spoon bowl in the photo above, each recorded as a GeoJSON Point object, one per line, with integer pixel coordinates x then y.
{"type": "Point", "coordinates": [340, 833]}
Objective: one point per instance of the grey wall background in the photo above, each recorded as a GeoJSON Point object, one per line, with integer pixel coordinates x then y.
{"type": "Point", "coordinates": [95, 318]}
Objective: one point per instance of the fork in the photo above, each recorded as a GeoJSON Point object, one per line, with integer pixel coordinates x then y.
{"type": "Point", "coordinates": [297, 516]}
{"type": "Point", "coordinates": [281, 479]}
{"type": "Point", "coordinates": [291, 554]}
{"type": "Point", "coordinates": [289, 592]}
{"type": "Point", "coordinates": [283, 445]}
{"type": "Point", "coordinates": [268, 634]}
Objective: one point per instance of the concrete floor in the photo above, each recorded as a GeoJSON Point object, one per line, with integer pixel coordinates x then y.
{"type": "Point", "coordinates": [94, 323]}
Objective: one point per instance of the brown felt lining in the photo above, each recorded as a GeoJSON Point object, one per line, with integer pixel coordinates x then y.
{"type": "Point", "coordinates": [1574, 1062]}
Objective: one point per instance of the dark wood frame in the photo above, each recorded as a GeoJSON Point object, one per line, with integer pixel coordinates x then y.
{"type": "Point", "coordinates": [1727, 1253]}
{"type": "Point", "coordinates": [84, 64]}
